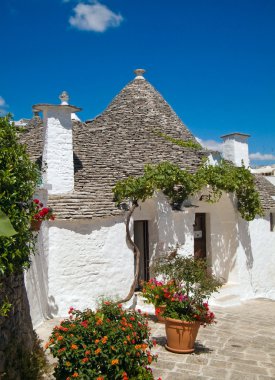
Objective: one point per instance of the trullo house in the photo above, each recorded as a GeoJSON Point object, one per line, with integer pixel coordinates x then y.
{"type": "Point", "coordinates": [83, 254]}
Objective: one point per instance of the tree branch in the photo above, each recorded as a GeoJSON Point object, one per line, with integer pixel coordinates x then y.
{"type": "Point", "coordinates": [136, 252]}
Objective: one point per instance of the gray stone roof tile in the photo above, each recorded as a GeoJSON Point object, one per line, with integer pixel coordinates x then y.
{"type": "Point", "coordinates": [117, 144]}
{"type": "Point", "coordinates": [266, 191]}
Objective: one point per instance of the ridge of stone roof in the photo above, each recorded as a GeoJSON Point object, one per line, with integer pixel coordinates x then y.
{"type": "Point", "coordinates": [266, 192]}
{"type": "Point", "coordinates": [139, 104]}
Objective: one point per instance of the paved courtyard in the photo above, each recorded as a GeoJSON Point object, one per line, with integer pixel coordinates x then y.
{"type": "Point", "coordinates": [241, 346]}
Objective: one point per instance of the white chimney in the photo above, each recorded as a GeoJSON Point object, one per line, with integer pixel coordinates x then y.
{"type": "Point", "coordinates": [57, 159]}
{"type": "Point", "coordinates": [235, 148]}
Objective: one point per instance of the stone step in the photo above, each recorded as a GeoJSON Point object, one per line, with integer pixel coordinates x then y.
{"type": "Point", "coordinates": [138, 303]}
{"type": "Point", "coordinates": [229, 295]}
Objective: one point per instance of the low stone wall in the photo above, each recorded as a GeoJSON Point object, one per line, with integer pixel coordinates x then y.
{"type": "Point", "coordinates": [16, 331]}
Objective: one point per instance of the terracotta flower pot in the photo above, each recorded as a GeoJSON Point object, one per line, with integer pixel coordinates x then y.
{"type": "Point", "coordinates": [35, 225]}
{"type": "Point", "coordinates": [159, 311]}
{"type": "Point", "coordinates": [181, 335]}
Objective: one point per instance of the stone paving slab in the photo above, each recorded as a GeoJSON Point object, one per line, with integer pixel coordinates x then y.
{"type": "Point", "coordinates": [241, 346]}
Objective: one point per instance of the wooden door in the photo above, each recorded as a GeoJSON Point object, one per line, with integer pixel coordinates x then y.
{"type": "Point", "coordinates": [199, 236]}
{"type": "Point", "coordinates": [141, 240]}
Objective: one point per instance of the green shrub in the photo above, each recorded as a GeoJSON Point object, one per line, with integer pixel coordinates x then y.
{"type": "Point", "coordinates": [190, 275]}
{"type": "Point", "coordinates": [110, 343]}
{"type": "Point", "coordinates": [18, 178]}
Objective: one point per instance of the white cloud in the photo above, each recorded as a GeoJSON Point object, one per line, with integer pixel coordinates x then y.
{"type": "Point", "coordinates": [262, 156]}
{"type": "Point", "coordinates": [94, 17]}
{"type": "Point", "coordinates": [210, 144]}
{"type": "Point", "coordinates": [2, 102]}
{"type": "Point", "coordinates": [3, 105]}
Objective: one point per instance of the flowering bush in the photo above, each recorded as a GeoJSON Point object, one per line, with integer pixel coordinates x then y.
{"type": "Point", "coordinates": [182, 307]}
{"type": "Point", "coordinates": [42, 213]}
{"type": "Point", "coordinates": [158, 292]}
{"type": "Point", "coordinates": [110, 343]}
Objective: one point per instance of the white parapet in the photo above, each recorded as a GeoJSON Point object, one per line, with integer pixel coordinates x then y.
{"type": "Point", "coordinates": [58, 165]}
{"type": "Point", "coordinates": [235, 148]}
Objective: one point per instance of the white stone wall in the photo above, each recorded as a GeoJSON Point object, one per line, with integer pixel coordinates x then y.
{"type": "Point", "coordinates": [85, 260]}
{"type": "Point", "coordinates": [256, 259]}
{"type": "Point", "coordinates": [236, 150]}
{"type": "Point", "coordinates": [36, 280]}
{"type": "Point", "coordinates": [58, 151]}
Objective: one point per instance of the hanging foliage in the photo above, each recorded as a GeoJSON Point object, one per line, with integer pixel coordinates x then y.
{"type": "Point", "coordinates": [178, 184]}
{"type": "Point", "coordinates": [18, 178]}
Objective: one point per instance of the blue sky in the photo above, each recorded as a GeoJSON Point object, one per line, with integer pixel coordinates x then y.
{"type": "Point", "coordinates": [212, 60]}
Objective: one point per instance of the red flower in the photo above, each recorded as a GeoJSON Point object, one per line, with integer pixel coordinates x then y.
{"type": "Point", "coordinates": [84, 324]}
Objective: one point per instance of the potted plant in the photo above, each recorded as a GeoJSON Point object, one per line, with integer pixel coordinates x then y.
{"type": "Point", "coordinates": [42, 213]}
{"type": "Point", "coordinates": [183, 317]}
{"type": "Point", "coordinates": [187, 309]}
{"type": "Point", "coordinates": [157, 293]}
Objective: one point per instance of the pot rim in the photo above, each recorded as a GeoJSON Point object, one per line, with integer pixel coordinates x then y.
{"type": "Point", "coordinates": [182, 321]}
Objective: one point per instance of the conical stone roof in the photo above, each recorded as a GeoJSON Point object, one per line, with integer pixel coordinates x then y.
{"type": "Point", "coordinates": [140, 106]}
{"type": "Point", "coordinates": [117, 144]}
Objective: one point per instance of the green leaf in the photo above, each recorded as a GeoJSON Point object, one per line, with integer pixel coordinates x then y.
{"type": "Point", "coordinates": [6, 228]}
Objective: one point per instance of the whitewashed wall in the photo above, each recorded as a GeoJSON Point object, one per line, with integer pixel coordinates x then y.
{"type": "Point", "coordinates": [84, 260]}
{"type": "Point", "coordinates": [87, 260]}
{"type": "Point", "coordinates": [256, 259]}
{"type": "Point", "coordinates": [36, 280]}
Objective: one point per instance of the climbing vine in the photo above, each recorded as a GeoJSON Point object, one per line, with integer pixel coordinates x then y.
{"type": "Point", "coordinates": [180, 142]}
{"type": "Point", "coordinates": [178, 184]}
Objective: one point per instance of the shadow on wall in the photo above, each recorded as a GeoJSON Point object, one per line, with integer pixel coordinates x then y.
{"type": "Point", "coordinates": [245, 240]}
{"type": "Point", "coordinates": [223, 235]}
{"type": "Point", "coordinates": [86, 227]}
{"type": "Point", "coordinates": [229, 232]}
{"type": "Point", "coordinates": [173, 228]}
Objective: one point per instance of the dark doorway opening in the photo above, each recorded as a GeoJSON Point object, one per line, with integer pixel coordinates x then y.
{"type": "Point", "coordinates": [199, 236]}
{"type": "Point", "coordinates": [141, 240]}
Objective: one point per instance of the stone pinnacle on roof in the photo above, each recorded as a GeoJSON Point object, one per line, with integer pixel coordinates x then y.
{"type": "Point", "coordinates": [64, 97]}
{"type": "Point", "coordinates": [139, 73]}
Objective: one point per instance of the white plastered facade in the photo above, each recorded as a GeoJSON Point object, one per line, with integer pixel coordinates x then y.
{"type": "Point", "coordinates": [80, 262]}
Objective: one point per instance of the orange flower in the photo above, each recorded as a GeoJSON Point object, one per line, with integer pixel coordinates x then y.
{"type": "Point", "coordinates": [97, 341]}
{"type": "Point", "coordinates": [68, 364]}
{"type": "Point", "coordinates": [60, 337]}
{"type": "Point", "coordinates": [97, 351]}
{"type": "Point", "coordinates": [61, 350]}
{"type": "Point", "coordinates": [104, 339]}
{"type": "Point", "coordinates": [99, 322]}
{"type": "Point", "coordinates": [87, 352]}
{"type": "Point", "coordinates": [114, 361]}
{"type": "Point", "coordinates": [74, 347]}
{"type": "Point", "coordinates": [85, 360]}
{"type": "Point", "coordinates": [100, 378]}
{"type": "Point", "coordinates": [75, 374]}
